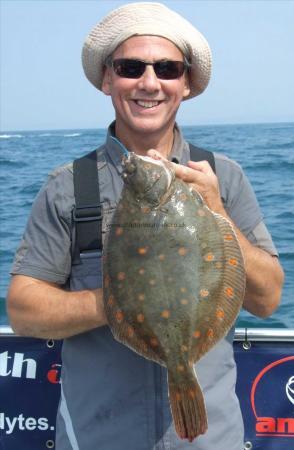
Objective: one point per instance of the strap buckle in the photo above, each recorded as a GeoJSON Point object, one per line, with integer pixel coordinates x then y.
{"type": "Point", "coordinates": [87, 213]}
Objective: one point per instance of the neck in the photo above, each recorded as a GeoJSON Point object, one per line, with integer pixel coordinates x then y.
{"type": "Point", "coordinates": [140, 143]}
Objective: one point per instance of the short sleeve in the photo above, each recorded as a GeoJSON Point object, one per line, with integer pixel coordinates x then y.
{"type": "Point", "coordinates": [241, 204]}
{"type": "Point", "coordinates": [45, 250]}
{"type": "Point", "coordinates": [261, 237]}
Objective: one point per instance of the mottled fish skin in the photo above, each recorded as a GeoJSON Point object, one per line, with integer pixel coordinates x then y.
{"type": "Point", "coordinates": [174, 280]}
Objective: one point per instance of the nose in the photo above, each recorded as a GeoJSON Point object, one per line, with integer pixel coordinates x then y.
{"type": "Point", "coordinates": [149, 81]}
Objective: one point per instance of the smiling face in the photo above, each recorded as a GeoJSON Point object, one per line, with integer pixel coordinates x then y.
{"type": "Point", "coordinates": [146, 106]}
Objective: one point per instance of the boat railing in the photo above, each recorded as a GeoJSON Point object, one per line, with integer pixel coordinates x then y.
{"type": "Point", "coordinates": [241, 334]}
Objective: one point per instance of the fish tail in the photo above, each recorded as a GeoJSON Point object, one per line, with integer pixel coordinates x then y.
{"type": "Point", "coordinates": [188, 409]}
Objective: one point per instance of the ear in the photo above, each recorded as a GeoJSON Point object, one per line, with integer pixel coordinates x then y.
{"type": "Point", "coordinates": [186, 90]}
{"type": "Point", "coordinates": [106, 81]}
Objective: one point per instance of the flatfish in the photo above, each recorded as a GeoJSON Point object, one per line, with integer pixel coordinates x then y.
{"type": "Point", "coordinates": [173, 280]}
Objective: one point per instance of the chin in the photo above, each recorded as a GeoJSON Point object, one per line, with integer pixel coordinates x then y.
{"type": "Point", "coordinates": [150, 126]}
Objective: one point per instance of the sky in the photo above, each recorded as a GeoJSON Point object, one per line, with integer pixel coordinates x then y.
{"type": "Point", "coordinates": [43, 86]}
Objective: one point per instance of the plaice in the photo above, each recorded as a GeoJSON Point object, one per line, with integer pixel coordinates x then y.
{"type": "Point", "coordinates": [173, 280]}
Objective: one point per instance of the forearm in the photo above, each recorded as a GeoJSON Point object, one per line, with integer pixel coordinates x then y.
{"type": "Point", "coordinates": [43, 310]}
{"type": "Point", "coordinates": [264, 277]}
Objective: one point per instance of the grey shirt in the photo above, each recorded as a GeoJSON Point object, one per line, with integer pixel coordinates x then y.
{"type": "Point", "coordinates": [112, 398]}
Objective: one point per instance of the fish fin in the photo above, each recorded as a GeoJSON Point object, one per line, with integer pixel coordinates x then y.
{"type": "Point", "coordinates": [228, 295]}
{"type": "Point", "coordinates": [188, 408]}
{"type": "Point", "coordinates": [139, 345]}
{"type": "Point", "coordinates": [126, 334]}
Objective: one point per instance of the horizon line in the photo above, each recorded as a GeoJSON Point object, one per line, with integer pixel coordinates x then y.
{"type": "Point", "coordinates": [181, 126]}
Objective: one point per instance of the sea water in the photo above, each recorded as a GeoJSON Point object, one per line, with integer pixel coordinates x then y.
{"type": "Point", "coordinates": [265, 151]}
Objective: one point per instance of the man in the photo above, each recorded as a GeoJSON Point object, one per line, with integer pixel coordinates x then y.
{"type": "Point", "coordinates": [111, 398]}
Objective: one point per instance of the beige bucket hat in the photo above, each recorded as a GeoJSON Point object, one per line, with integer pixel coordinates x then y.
{"type": "Point", "coordinates": [144, 18]}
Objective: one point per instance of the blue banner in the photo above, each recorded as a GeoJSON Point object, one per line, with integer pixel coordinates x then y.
{"type": "Point", "coordinates": [30, 391]}
{"type": "Point", "coordinates": [265, 388]}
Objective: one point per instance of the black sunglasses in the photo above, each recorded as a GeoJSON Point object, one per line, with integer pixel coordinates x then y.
{"type": "Point", "coordinates": [134, 68]}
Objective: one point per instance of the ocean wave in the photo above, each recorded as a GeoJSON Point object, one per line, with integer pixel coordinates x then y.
{"type": "Point", "coordinates": [268, 165]}
{"type": "Point", "coordinates": [285, 145]}
{"type": "Point", "coordinates": [285, 215]}
{"type": "Point", "coordinates": [9, 136]}
{"type": "Point", "coordinates": [6, 163]}
{"type": "Point", "coordinates": [286, 256]}
{"type": "Point", "coordinates": [72, 135]}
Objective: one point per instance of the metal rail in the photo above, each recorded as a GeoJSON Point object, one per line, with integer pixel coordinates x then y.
{"type": "Point", "coordinates": [241, 334]}
{"type": "Point", "coordinates": [264, 334]}
{"type": "Point", "coordinates": [5, 330]}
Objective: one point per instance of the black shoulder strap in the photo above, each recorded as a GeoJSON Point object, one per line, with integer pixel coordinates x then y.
{"type": "Point", "coordinates": [88, 212]}
{"type": "Point", "coordinates": [199, 154]}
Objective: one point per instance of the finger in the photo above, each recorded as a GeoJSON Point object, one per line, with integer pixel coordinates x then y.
{"type": "Point", "coordinates": [202, 166]}
{"type": "Point", "coordinates": [152, 153]}
{"type": "Point", "coordinates": [187, 174]}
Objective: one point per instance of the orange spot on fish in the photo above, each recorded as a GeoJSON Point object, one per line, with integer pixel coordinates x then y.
{"type": "Point", "coordinates": [180, 368]}
{"type": "Point", "coordinates": [209, 257]}
{"type": "Point", "coordinates": [110, 300]}
{"type": "Point", "coordinates": [178, 396]}
{"type": "Point", "coordinates": [161, 257]}
{"type": "Point", "coordinates": [229, 237]}
{"type": "Point", "coordinates": [119, 316]}
{"type": "Point", "coordinates": [210, 333]}
{"type": "Point", "coordinates": [220, 314]}
{"type": "Point", "coordinates": [106, 281]}
{"type": "Point", "coordinates": [144, 347]}
{"type": "Point", "coordinates": [154, 342]}
{"type": "Point", "coordinates": [184, 197]}
{"type": "Point", "coordinates": [204, 293]}
{"type": "Point", "coordinates": [130, 332]}
{"type": "Point", "coordinates": [233, 261]}
{"type": "Point", "coordinates": [182, 251]}
{"type": "Point", "coordinates": [196, 334]}
{"type": "Point", "coordinates": [141, 297]}
{"type": "Point", "coordinates": [142, 250]}
{"type": "Point", "coordinates": [145, 210]}
{"type": "Point", "coordinates": [119, 231]}
{"type": "Point", "coordinates": [192, 393]}
{"type": "Point", "coordinates": [184, 301]}
{"type": "Point", "coordinates": [141, 271]}
{"type": "Point", "coordinates": [140, 318]}
{"type": "Point", "coordinates": [183, 289]}
{"type": "Point", "coordinates": [184, 348]}
{"type": "Point", "coordinates": [121, 276]}
{"type": "Point", "coordinates": [229, 292]}
{"type": "Point", "coordinates": [165, 314]}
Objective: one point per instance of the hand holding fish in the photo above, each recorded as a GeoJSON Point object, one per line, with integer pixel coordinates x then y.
{"type": "Point", "coordinates": [200, 176]}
